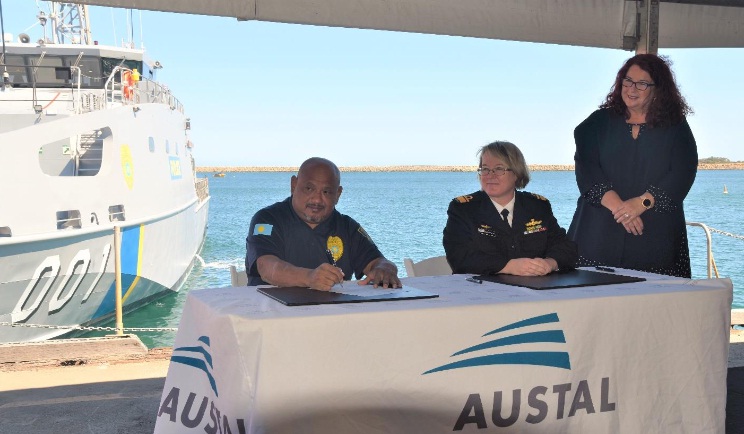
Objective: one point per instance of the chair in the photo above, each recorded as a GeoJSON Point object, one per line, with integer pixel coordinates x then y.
{"type": "Point", "coordinates": [238, 278]}
{"type": "Point", "coordinates": [436, 266]}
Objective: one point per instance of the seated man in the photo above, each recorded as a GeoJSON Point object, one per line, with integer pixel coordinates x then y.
{"type": "Point", "coordinates": [304, 241]}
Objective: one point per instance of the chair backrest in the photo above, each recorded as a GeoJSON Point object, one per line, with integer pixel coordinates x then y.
{"type": "Point", "coordinates": [238, 277]}
{"type": "Point", "coordinates": [436, 266]}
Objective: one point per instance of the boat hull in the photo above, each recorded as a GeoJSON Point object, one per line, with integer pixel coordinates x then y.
{"type": "Point", "coordinates": [57, 256]}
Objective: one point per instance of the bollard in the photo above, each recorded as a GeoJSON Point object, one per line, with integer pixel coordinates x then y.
{"type": "Point", "coordinates": [117, 273]}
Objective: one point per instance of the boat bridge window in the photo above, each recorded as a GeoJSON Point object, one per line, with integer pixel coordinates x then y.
{"type": "Point", "coordinates": [152, 144]}
{"type": "Point", "coordinates": [54, 71]}
{"type": "Point", "coordinates": [109, 63]}
{"type": "Point", "coordinates": [5, 231]}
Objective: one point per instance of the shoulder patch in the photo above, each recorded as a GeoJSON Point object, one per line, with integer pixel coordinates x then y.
{"type": "Point", "coordinates": [540, 197]}
{"type": "Point", "coordinates": [262, 229]}
{"type": "Point", "coordinates": [464, 199]}
{"type": "Point", "coordinates": [365, 234]}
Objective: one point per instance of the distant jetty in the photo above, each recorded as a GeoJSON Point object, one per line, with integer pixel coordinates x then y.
{"type": "Point", "coordinates": [427, 168]}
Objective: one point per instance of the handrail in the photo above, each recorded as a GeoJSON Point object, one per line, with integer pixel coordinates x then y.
{"type": "Point", "coordinates": [710, 262]}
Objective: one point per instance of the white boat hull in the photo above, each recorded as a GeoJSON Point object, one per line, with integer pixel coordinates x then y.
{"type": "Point", "coordinates": [56, 232]}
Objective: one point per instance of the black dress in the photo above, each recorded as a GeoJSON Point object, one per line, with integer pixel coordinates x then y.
{"type": "Point", "coordinates": [662, 161]}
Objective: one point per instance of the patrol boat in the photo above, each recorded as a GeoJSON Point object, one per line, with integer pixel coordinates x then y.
{"type": "Point", "coordinates": [90, 141]}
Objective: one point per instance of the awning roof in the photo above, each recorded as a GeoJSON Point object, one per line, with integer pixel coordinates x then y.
{"type": "Point", "coordinates": [590, 23]}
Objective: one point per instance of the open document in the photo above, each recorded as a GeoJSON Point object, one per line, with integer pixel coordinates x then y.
{"type": "Point", "coordinates": [349, 293]}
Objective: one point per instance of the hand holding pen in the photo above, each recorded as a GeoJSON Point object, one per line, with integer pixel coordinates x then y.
{"type": "Point", "coordinates": [332, 261]}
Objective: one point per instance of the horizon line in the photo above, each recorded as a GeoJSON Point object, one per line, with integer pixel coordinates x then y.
{"type": "Point", "coordinates": [433, 168]}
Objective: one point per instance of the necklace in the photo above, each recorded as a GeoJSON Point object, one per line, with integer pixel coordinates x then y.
{"type": "Point", "coordinates": [636, 125]}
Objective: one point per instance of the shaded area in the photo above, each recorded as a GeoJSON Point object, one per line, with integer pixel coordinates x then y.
{"type": "Point", "coordinates": [131, 407]}
{"type": "Point", "coordinates": [735, 401]}
{"type": "Point", "coordinates": [107, 407]}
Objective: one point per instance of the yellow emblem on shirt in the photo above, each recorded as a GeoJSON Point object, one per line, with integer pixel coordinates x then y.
{"type": "Point", "coordinates": [336, 247]}
{"type": "Point", "coordinates": [464, 199]}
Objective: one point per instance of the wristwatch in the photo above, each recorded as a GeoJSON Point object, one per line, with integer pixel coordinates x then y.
{"type": "Point", "coordinates": [646, 202]}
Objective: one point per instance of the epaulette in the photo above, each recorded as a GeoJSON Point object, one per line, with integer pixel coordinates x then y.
{"type": "Point", "coordinates": [464, 199]}
{"type": "Point", "coordinates": [540, 197]}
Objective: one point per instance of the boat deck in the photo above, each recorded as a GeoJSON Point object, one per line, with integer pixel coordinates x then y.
{"type": "Point", "coordinates": [120, 393]}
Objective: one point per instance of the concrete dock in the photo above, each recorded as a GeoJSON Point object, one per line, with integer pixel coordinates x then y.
{"type": "Point", "coordinates": [113, 385]}
{"type": "Point", "coordinates": [98, 385]}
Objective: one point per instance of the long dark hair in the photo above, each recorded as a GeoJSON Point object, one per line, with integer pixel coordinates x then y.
{"type": "Point", "coordinates": [667, 106]}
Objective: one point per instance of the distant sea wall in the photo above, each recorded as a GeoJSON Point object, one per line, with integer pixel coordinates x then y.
{"type": "Point", "coordinates": [425, 168]}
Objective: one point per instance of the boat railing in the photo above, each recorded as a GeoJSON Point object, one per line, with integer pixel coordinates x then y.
{"type": "Point", "coordinates": [42, 76]}
{"type": "Point", "coordinates": [143, 91]}
{"type": "Point", "coordinates": [68, 81]}
{"type": "Point", "coordinates": [150, 91]}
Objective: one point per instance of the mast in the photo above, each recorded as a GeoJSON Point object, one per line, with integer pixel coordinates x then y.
{"type": "Point", "coordinates": [70, 23]}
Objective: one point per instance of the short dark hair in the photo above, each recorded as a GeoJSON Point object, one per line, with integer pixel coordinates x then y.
{"type": "Point", "coordinates": [512, 156]}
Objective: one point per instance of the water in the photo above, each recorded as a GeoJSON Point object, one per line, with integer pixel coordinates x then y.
{"type": "Point", "coordinates": [405, 214]}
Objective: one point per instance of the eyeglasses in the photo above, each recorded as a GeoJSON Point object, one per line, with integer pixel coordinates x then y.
{"type": "Point", "coordinates": [498, 171]}
{"type": "Point", "coordinates": [640, 85]}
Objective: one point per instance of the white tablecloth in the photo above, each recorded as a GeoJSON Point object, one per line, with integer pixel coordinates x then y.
{"type": "Point", "coordinates": [648, 357]}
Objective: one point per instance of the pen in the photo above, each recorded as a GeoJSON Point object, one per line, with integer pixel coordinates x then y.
{"type": "Point", "coordinates": [474, 280]}
{"type": "Point", "coordinates": [611, 270]}
{"type": "Point", "coordinates": [329, 255]}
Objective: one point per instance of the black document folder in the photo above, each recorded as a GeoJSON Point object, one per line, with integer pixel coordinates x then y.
{"type": "Point", "coordinates": [297, 296]}
{"type": "Point", "coordinates": [561, 279]}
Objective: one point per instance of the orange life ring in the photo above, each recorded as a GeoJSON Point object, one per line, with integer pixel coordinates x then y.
{"type": "Point", "coordinates": [127, 84]}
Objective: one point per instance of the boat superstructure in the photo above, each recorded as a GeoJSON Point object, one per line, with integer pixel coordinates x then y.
{"type": "Point", "coordinates": [89, 140]}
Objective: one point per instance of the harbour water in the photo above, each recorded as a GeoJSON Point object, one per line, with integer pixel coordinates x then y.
{"type": "Point", "coordinates": [405, 212]}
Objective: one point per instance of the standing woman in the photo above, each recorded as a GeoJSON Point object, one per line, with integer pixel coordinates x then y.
{"type": "Point", "coordinates": [636, 160]}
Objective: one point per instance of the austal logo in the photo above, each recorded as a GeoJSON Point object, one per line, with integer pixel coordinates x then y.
{"type": "Point", "coordinates": [203, 363]}
{"type": "Point", "coordinates": [556, 359]}
{"type": "Point", "coordinates": [193, 413]}
{"type": "Point", "coordinates": [541, 402]}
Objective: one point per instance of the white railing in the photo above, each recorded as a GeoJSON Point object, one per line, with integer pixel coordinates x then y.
{"type": "Point", "coordinates": [711, 263]}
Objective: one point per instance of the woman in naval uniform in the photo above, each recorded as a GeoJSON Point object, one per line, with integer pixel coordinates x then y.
{"type": "Point", "coordinates": [501, 230]}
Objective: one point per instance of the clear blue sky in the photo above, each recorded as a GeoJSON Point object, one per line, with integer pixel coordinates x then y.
{"type": "Point", "coordinates": [267, 94]}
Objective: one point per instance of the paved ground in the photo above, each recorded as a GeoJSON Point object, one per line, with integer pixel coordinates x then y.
{"type": "Point", "coordinates": [115, 391]}
{"type": "Point", "coordinates": [119, 392]}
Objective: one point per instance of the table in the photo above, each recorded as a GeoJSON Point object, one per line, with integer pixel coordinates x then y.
{"type": "Point", "coordinates": [647, 357]}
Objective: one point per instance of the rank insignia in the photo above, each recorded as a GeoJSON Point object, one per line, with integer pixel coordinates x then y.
{"type": "Point", "coordinates": [540, 197]}
{"type": "Point", "coordinates": [336, 247]}
{"type": "Point", "coordinates": [464, 199]}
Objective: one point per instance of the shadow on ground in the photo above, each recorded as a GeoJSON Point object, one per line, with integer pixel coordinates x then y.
{"type": "Point", "coordinates": [121, 407]}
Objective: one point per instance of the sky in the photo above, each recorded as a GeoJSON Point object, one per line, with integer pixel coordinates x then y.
{"type": "Point", "coordinates": [269, 94]}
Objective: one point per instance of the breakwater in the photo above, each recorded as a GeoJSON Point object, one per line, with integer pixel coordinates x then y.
{"type": "Point", "coordinates": [429, 168]}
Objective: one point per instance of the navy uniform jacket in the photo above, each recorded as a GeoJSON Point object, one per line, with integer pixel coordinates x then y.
{"type": "Point", "coordinates": [278, 230]}
{"type": "Point", "coordinates": [478, 241]}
